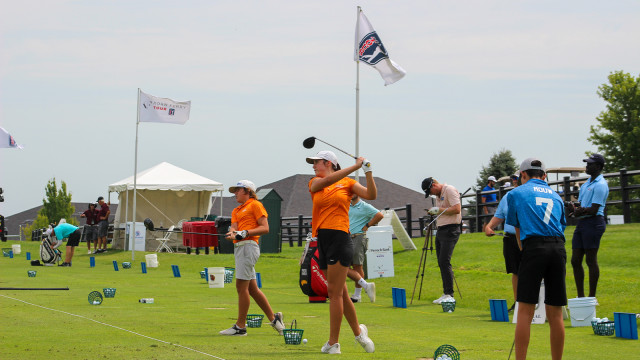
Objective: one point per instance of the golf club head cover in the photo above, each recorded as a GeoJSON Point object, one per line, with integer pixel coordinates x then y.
{"type": "Point", "coordinates": [366, 166]}
{"type": "Point", "coordinates": [434, 210]}
{"type": "Point", "coordinates": [241, 235]}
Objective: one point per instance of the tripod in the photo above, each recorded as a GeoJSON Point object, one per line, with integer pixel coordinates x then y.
{"type": "Point", "coordinates": [428, 240]}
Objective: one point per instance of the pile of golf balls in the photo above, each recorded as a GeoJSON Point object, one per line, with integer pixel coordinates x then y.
{"type": "Point", "coordinates": [443, 357]}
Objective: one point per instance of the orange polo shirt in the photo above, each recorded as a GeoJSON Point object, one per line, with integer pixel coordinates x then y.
{"type": "Point", "coordinates": [247, 215]}
{"type": "Point", "coordinates": [331, 206]}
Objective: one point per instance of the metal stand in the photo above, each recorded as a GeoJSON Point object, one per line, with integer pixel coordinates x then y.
{"type": "Point", "coordinates": [428, 245]}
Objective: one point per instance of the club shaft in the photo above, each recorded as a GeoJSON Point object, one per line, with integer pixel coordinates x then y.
{"type": "Point", "coordinates": [337, 148]}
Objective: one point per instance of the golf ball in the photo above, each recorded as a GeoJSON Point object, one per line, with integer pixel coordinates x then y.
{"type": "Point", "coordinates": [304, 341]}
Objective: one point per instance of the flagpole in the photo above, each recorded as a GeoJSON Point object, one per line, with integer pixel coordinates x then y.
{"type": "Point", "coordinates": [357, 175]}
{"type": "Point", "coordinates": [135, 184]}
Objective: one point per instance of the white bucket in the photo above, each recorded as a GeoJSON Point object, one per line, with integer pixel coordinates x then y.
{"type": "Point", "coordinates": [582, 310]}
{"type": "Point", "coordinates": [216, 277]}
{"type": "Point", "coordinates": [16, 249]}
{"type": "Point", "coordinates": [152, 260]}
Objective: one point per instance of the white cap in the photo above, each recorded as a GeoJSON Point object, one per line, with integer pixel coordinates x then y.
{"type": "Point", "coordinates": [492, 178]}
{"type": "Point", "coordinates": [243, 184]}
{"type": "Point", "coordinates": [507, 184]}
{"type": "Point", "coordinates": [324, 155]}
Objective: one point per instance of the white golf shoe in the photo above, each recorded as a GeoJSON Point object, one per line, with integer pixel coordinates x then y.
{"type": "Point", "coordinates": [278, 323]}
{"type": "Point", "coordinates": [439, 300]}
{"type": "Point", "coordinates": [331, 349]}
{"type": "Point", "coordinates": [370, 289]}
{"type": "Point", "coordinates": [364, 340]}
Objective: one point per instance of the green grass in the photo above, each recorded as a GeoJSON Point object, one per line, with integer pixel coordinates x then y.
{"type": "Point", "coordinates": [188, 315]}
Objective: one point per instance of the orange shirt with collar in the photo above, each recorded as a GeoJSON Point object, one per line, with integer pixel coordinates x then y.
{"type": "Point", "coordinates": [331, 206]}
{"type": "Point", "coordinates": [247, 215]}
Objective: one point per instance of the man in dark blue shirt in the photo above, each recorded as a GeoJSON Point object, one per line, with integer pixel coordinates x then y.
{"type": "Point", "coordinates": [489, 198]}
{"type": "Point", "coordinates": [537, 214]}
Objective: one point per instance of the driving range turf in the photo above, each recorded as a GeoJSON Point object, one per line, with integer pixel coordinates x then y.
{"type": "Point", "coordinates": [184, 320]}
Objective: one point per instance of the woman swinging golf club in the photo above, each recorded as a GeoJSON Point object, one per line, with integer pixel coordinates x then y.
{"type": "Point", "coordinates": [248, 222]}
{"type": "Point", "coordinates": [331, 192]}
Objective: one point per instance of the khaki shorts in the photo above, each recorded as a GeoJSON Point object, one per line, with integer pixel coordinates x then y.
{"type": "Point", "coordinates": [246, 256]}
{"type": "Point", "coordinates": [360, 247]}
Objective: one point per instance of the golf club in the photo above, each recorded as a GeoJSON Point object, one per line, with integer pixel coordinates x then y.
{"type": "Point", "coordinates": [310, 142]}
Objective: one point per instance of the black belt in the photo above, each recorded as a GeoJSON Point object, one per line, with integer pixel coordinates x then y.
{"type": "Point", "coordinates": [447, 226]}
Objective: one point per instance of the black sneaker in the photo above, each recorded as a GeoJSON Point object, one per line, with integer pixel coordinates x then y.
{"type": "Point", "coordinates": [65, 264]}
{"type": "Point", "coordinates": [234, 331]}
{"type": "Point", "coordinates": [355, 299]}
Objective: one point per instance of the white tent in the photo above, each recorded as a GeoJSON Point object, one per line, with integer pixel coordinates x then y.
{"type": "Point", "coordinates": [166, 195]}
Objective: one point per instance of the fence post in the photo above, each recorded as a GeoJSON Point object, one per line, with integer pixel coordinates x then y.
{"type": "Point", "coordinates": [409, 221]}
{"type": "Point", "coordinates": [626, 207]}
{"type": "Point", "coordinates": [421, 224]}
{"type": "Point", "coordinates": [478, 224]}
{"type": "Point", "coordinates": [567, 188]}
{"type": "Point", "coordinates": [289, 235]}
{"type": "Point", "coordinates": [300, 231]}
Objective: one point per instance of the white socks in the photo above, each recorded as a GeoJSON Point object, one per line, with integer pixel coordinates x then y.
{"type": "Point", "coordinates": [362, 282]}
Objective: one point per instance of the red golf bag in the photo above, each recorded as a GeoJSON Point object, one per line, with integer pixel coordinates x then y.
{"type": "Point", "coordinates": [312, 280]}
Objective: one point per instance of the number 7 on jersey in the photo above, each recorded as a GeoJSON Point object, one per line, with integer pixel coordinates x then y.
{"type": "Point", "coordinates": [547, 212]}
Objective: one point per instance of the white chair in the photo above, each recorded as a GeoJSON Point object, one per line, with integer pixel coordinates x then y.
{"type": "Point", "coordinates": [163, 241]}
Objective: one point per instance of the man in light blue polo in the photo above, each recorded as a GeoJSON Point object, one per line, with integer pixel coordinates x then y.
{"type": "Point", "coordinates": [537, 214]}
{"type": "Point", "coordinates": [591, 226]}
{"type": "Point", "coordinates": [510, 249]}
{"type": "Point", "coordinates": [362, 216]}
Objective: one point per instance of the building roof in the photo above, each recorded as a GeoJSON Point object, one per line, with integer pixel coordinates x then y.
{"type": "Point", "coordinates": [296, 199]}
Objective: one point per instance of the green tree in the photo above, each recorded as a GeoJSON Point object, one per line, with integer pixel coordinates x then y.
{"type": "Point", "coordinates": [55, 206]}
{"type": "Point", "coordinates": [500, 164]}
{"type": "Point", "coordinates": [617, 135]}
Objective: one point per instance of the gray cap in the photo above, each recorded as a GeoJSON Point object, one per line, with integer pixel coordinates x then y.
{"type": "Point", "coordinates": [526, 165]}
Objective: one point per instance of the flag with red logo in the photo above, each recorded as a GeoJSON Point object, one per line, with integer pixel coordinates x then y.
{"type": "Point", "coordinates": [7, 141]}
{"type": "Point", "coordinates": [163, 110]}
{"type": "Point", "coordinates": [369, 49]}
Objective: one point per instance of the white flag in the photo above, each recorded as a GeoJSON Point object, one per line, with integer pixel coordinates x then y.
{"type": "Point", "coordinates": [7, 141]}
{"type": "Point", "coordinates": [369, 49]}
{"type": "Point", "coordinates": [163, 110]}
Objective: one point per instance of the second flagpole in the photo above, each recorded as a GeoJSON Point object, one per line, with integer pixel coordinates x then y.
{"type": "Point", "coordinates": [357, 175]}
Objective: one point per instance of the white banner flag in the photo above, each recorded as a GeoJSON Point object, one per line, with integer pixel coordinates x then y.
{"type": "Point", "coordinates": [369, 49]}
{"type": "Point", "coordinates": [163, 110]}
{"type": "Point", "coordinates": [7, 141]}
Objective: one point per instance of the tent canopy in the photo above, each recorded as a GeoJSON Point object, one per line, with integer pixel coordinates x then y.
{"type": "Point", "coordinates": [166, 194]}
{"type": "Point", "coordinates": [165, 176]}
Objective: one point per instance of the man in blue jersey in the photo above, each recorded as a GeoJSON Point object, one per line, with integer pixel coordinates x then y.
{"type": "Point", "coordinates": [591, 226]}
{"type": "Point", "coordinates": [489, 198]}
{"type": "Point", "coordinates": [510, 249]}
{"type": "Point", "coordinates": [537, 214]}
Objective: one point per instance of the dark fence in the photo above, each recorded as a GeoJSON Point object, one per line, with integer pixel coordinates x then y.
{"type": "Point", "coordinates": [295, 229]}
{"type": "Point", "coordinates": [568, 189]}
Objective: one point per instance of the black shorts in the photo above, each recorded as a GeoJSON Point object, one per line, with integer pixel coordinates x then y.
{"type": "Point", "coordinates": [588, 233]}
{"type": "Point", "coordinates": [512, 253]}
{"type": "Point", "coordinates": [74, 238]}
{"type": "Point", "coordinates": [543, 258]}
{"type": "Point", "coordinates": [334, 246]}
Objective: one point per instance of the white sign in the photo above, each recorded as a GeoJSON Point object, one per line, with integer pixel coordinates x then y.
{"type": "Point", "coordinates": [141, 234]}
{"type": "Point", "coordinates": [379, 257]}
{"type": "Point", "coordinates": [540, 315]}
{"type": "Point", "coordinates": [216, 277]}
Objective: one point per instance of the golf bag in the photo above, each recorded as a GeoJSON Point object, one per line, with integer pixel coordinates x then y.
{"type": "Point", "coordinates": [312, 280]}
{"type": "Point", "coordinates": [48, 254]}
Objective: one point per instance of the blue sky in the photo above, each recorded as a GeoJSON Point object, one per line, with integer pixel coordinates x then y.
{"type": "Point", "coordinates": [481, 76]}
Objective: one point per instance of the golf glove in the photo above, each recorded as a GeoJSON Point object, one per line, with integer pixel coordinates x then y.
{"type": "Point", "coordinates": [241, 235]}
{"type": "Point", "coordinates": [434, 210]}
{"type": "Point", "coordinates": [366, 166]}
